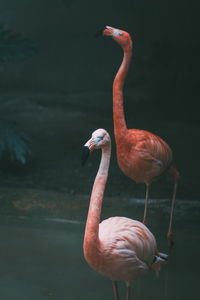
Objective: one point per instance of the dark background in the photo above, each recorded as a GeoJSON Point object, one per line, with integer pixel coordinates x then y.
{"type": "Point", "coordinates": [63, 92]}
{"type": "Point", "coordinates": [58, 95]}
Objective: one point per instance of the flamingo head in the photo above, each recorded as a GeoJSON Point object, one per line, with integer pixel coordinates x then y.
{"type": "Point", "coordinates": [120, 36]}
{"type": "Point", "coordinates": [100, 139]}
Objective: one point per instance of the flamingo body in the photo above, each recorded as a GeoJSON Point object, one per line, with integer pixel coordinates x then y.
{"type": "Point", "coordinates": [119, 248]}
{"type": "Point", "coordinates": [128, 247]}
{"type": "Point", "coordinates": [143, 156]}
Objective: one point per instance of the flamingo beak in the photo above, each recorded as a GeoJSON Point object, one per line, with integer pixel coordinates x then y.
{"type": "Point", "coordinates": [87, 148]}
{"type": "Point", "coordinates": [85, 154]}
{"type": "Point", "coordinates": [99, 33]}
{"type": "Point", "coordinates": [103, 31]}
{"type": "Point", "coordinates": [108, 31]}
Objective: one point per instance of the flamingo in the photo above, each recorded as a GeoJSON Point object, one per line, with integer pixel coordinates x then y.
{"type": "Point", "coordinates": [119, 248]}
{"type": "Point", "coordinates": [142, 155]}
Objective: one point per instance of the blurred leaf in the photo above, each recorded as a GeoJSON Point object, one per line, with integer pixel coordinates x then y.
{"type": "Point", "coordinates": [13, 46]}
{"type": "Point", "coordinates": [14, 144]}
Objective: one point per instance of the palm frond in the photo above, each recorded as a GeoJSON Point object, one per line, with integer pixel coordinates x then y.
{"type": "Point", "coordinates": [14, 144]}
{"type": "Point", "coordinates": [13, 46]}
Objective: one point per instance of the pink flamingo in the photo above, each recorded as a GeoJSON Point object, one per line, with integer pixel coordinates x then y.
{"type": "Point", "coordinates": [119, 248]}
{"type": "Point", "coordinates": [141, 155]}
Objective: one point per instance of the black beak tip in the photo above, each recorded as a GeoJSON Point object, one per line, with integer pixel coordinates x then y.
{"type": "Point", "coordinates": [99, 32]}
{"type": "Point", "coordinates": [85, 154]}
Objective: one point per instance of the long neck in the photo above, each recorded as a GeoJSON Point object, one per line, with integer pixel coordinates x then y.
{"type": "Point", "coordinates": [94, 213]}
{"type": "Point", "coordinates": [118, 84]}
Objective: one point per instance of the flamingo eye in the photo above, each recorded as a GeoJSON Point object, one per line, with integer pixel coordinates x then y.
{"type": "Point", "coordinates": [99, 139]}
{"type": "Point", "coordinates": [116, 32]}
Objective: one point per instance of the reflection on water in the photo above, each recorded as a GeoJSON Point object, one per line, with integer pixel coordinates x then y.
{"type": "Point", "coordinates": [44, 258]}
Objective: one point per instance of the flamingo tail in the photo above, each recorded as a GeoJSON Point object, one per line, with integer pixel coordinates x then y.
{"type": "Point", "coordinates": [159, 260]}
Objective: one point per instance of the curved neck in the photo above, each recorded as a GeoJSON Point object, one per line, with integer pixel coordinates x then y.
{"type": "Point", "coordinates": [94, 213]}
{"type": "Point", "coordinates": [118, 84]}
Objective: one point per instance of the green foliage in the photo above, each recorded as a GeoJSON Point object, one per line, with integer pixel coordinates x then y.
{"type": "Point", "coordinates": [14, 144]}
{"type": "Point", "coordinates": [13, 46]}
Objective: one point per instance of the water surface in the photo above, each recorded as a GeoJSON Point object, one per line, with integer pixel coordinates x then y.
{"type": "Point", "coordinates": [42, 257]}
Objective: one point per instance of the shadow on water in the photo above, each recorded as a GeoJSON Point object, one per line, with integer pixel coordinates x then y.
{"type": "Point", "coordinates": [42, 257]}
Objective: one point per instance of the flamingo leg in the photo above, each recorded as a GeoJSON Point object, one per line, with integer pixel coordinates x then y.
{"type": "Point", "coordinates": [146, 203]}
{"type": "Point", "coordinates": [170, 234]}
{"type": "Point", "coordinates": [128, 291]}
{"type": "Point", "coordinates": [115, 289]}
